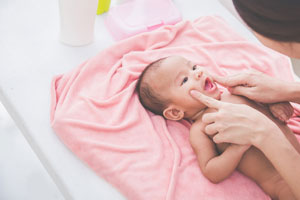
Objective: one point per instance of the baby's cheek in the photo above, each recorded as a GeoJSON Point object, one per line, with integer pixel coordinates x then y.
{"type": "Point", "coordinates": [201, 106]}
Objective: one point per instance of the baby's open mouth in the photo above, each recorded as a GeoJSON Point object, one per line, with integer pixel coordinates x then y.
{"type": "Point", "coordinates": [208, 85]}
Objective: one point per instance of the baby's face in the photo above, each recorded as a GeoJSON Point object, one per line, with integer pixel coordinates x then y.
{"type": "Point", "coordinates": [176, 77]}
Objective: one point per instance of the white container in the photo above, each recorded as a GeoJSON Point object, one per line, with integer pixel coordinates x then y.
{"type": "Point", "coordinates": [77, 21]}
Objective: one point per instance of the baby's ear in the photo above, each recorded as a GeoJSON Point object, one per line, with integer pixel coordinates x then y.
{"type": "Point", "coordinates": [173, 113]}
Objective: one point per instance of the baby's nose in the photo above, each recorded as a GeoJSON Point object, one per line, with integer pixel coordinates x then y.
{"type": "Point", "coordinates": [198, 74]}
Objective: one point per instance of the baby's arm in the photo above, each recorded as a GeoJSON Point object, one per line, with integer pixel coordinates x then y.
{"type": "Point", "coordinates": [215, 167]}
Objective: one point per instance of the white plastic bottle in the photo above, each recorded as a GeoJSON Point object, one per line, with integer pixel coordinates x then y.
{"type": "Point", "coordinates": [77, 21]}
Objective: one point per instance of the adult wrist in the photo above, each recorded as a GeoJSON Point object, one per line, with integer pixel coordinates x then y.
{"type": "Point", "coordinates": [268, 133]}
{"type": "Point", "coordinates": [287, 91]}
{"type": "Point", "coordinates": [293, 92]}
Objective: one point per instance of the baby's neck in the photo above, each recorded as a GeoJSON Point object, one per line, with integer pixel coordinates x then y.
{"type": "Point", "coordinates": [199, 114]}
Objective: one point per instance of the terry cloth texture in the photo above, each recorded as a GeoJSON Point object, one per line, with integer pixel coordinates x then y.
{"type": "Point", "coordinates": [96, 113]}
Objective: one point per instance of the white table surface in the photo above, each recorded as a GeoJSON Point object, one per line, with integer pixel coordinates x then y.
{"type": "Point", "coordinates": [31, 54]}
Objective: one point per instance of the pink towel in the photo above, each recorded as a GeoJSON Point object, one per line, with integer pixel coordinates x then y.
{"type": "Point", "coordinates": [96, 113]}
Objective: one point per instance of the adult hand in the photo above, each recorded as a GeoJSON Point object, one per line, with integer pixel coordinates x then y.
{"type": "Point", "coordinates": [235, 123]}
{"type": "Point", "coordinates": [257, 86]}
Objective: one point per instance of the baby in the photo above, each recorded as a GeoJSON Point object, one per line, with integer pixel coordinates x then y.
{"type": "Point", "coordinates": [164, 87]}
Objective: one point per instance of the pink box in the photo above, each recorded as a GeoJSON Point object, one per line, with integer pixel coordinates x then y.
{"type": "Point", "coordinates": [137, 16]}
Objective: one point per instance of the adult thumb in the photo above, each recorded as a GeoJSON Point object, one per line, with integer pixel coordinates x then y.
{"type": "Point", "coordinates": [231, 81]}
{"type": "Point", "coordinates": [240, 90]}
{"type": "Point", "coordinates": [206, 100]}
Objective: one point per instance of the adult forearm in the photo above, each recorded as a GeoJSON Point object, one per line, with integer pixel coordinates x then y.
{"type": "Point", "coordinates": [284, 158]}
{"type": "Point", "coordinates": [293, 92]}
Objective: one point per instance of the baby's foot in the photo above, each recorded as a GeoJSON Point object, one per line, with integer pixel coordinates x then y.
{"type": "Point", "coordinates": [282, 110]}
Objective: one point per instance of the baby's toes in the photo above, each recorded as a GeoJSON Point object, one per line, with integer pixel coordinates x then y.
{"type": "Point", "coordinates": [284, 117]}
{"type": "Point", "coordinates": [279, 114]}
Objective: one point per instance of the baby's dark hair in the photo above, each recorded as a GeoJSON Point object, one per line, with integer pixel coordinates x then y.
{"type": "Point", "coordinates": [148, 97]}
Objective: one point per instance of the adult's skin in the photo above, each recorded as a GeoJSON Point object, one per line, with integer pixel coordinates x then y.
{"type": "Point", "coordinates": [276, 23]}
{"type": "Point", "coordinates": [241, 124]}
{"type": "Point", "coordinates": [260, 87]}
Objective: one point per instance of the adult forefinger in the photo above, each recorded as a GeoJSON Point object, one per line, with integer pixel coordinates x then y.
{"type": "Point", "coordinates": [208, 101]}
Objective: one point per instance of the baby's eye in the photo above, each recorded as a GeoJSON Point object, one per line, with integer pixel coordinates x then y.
{"type": "Point", "coordinates": [184, 80]}
{"type": "Point", "coordinates": [194, 67]}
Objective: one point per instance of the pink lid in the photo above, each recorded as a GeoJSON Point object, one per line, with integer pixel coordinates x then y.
{"type": "Point", "coordinates": [137, 16]}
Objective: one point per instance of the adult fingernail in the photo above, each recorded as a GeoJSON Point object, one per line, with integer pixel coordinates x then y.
{"type": "Point", "coordinates": [215, 139]}
{"type": "Point", "coordinates": [194, 92]}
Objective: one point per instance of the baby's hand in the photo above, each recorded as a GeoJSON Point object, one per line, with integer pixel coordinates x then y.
{"type": "Point", "coordinates": [282, 111]}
